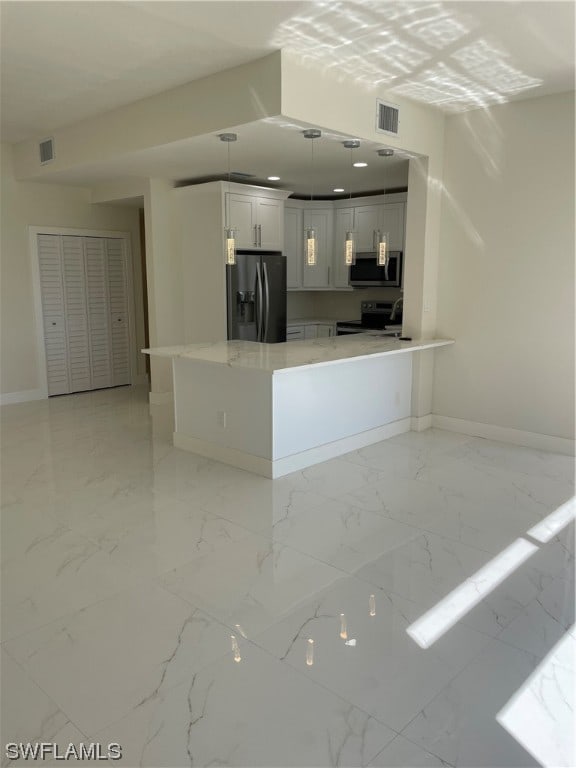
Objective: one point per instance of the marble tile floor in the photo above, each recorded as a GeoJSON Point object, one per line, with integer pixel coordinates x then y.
{"type": "Point", "coordinates": [408, 604]}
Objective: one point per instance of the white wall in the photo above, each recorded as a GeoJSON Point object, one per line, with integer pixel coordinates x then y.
{"type": "Point", "coordinates": [34, 204]}
{"type": "Point", "coordinates": [506, 275]}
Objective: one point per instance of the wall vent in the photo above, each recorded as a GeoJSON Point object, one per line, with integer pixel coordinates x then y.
{"type": "Point", "coordinates": [46, 147]}
{"type": "Point", "coordinates": [387, 117]}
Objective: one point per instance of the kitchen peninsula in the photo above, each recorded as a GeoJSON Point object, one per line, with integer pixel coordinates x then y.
{"type": "Point", "coordinates": [277, 408]}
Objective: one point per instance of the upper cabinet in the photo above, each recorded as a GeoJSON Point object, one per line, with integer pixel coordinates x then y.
{"type": "Point", "coordinates": [258, 219]}
{"type": "Point", "coordinates": [375, 217]}
{"type": "Point", "coordinates": [364, 216]}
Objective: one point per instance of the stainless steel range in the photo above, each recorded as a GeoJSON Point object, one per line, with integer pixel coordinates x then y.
{"type": "Point", "coordinates": [376, 316]}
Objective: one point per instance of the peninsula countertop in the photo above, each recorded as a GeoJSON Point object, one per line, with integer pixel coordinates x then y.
{"type": "Point", "coordinates": [285, 356]}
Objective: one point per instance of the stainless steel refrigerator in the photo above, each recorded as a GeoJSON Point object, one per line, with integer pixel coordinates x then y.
{"type": "Point", "coordinates": [256, 291]}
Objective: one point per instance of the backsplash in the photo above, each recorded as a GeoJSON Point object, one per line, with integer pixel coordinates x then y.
{"type": "Point", "coordinates": [337, 305]}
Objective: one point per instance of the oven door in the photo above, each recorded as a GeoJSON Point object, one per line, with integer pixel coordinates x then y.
{"type": "Point", "coordinates": [366, 271]}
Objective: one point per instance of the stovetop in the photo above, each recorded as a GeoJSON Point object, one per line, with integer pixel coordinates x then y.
{"type": "Point", "coordinates": [375, 315]}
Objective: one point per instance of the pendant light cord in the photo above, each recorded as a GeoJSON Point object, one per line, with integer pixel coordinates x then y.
{"type": "Point", "coordinates": [312, 148]}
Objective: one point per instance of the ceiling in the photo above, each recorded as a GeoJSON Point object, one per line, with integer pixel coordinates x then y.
{"type": "Point", "coordinates": [66, 61]}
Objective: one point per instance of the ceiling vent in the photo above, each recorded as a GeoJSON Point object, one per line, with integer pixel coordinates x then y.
{"type": "Point", "coordinates": [387, 117]}
{"type": "Point", "coordinates": [46, 151]}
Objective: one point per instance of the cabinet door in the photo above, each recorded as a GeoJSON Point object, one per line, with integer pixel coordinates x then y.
{"type": "Point", "coordinates": [393, 223]}
{"type": "Point", "coordinates": [293, 244]}
{"type": "Point", "coordinates": [294, 332]}
{"type": "Point", "coordinates": [242, 216]}
{"type": "Point", "coordinates": [270, 223]}
{"type": "Point", "coordinates": [368, 219]}
{"type": "Point", "coordinates": [344, 223]}
{"type": "Point", "coordinates": [324, 330]}
{"type": "Point", "coordinates": [319, 275]}
{"type": "Point", "coordinates": [310, 331]}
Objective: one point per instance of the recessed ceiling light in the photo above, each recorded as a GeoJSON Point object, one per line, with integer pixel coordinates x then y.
{"type": "Point", "coordinates": [273, 178]}
{"type": "Point", "coordinates": [338, 189]}
{"type": "Point", "coordinates": [360, 165]}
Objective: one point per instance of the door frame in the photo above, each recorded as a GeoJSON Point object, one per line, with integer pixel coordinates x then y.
{"type": "Point", "coordinates": [33, 233]}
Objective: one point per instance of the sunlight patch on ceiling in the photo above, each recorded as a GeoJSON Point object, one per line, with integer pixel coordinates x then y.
{"type": "Point", "coordinates": [418, 50]}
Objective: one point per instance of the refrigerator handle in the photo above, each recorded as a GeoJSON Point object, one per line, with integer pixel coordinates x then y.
{"type": "Point", "coordinates": [267, 290]}
{"type": "Point", "coordinates": [258, 292]}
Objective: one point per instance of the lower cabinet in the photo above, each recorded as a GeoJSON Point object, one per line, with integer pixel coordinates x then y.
{"type": "Point", "coordinates": [294, 332]}
{"type": "Point", "coordinates": [310, 331]}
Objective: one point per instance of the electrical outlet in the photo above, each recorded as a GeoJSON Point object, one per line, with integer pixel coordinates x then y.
{"type": "Point", "coordinates": [221, 419]}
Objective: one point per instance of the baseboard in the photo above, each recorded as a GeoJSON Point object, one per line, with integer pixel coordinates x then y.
{"type": "Point", "coordinates": [506, 435]}
{"type": "Point", "coordinates": [161, 398]}
{"type": "Point", "coordinates": [420, 423]}
{"type": "Point", "coordinates": [247, 461]}
{"type": "Point", "coordinates": [295, 462]}
{"type": "Point", "coordinates": [23, 396]}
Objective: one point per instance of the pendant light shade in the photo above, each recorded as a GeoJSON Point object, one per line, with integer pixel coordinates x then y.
{"type": "Point", "coordinates": [349, 249]}
{"type": "Point", "coordinates": [229, 231]}
{"type": "Point", "coordinates": [382, 249]}
{"type": "Point", "coordinates": [382, 237]}
{"type": "Point", "coordinates": [310, 240]}
{"type": "Point", "coordinates": [350, 237]}
{"type": "Point", "coordinates": [310, 246]}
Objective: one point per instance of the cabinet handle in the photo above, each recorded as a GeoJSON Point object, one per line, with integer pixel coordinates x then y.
{"type": "Point", "coordinates": [328, 275]}
{"type": "Point", "coordinates": [260, 235]}
{"type": "Point", "coordinates": [255, 235]}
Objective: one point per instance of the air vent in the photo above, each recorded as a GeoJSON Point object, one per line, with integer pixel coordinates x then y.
{"type": "Point", "coordinates": [241, 175]}
{"type": "Point", "coordinates": [46, 151]}
{"type": "Point", "coordinates": [387, 118]}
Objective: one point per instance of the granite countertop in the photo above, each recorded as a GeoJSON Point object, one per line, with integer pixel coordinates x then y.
{"type": "Point", "coordinates": [286, 356]}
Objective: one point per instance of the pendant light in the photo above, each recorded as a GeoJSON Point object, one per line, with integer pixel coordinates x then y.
{"type": "Point", "coordinates": [310, 240]}
{"type": "Point", "coordinates": [229, 232]}
{"type": "Point", "coordinates": [350, 239]}
{"type": "Point", "coordinates": [382, 237]}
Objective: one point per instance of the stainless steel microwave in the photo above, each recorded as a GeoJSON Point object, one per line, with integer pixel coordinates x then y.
{"type": "Point", "coordinates": [366, 272]}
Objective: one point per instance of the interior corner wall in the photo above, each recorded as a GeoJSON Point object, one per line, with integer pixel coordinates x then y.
{"type": "Point", "coordinates": [506, 272]}
{"type": "Point", "coordinates": [26, 204]}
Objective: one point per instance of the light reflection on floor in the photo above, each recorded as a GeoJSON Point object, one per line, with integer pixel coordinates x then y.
{"type": "Point", "coordinates": [128, 565]}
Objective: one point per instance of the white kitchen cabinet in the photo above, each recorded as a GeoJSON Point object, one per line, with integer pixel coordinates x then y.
{"type": "Point", "coordinates": [372, 216]}
{"type": "Point", "coordinates": [368, 219]}
{"type": "Point", "coordinates": [310, 331]}
{"type": "Point", "coordinates": [319, 275]}
{"type": "Point", "coordinates": [259, 221]}
{"type": "Point", "coordinates": [84, 296]}
{"type": "Point", "coordinates": [293, 245]}
{"type": "Point", "coordinates": [294, 332]}
{"type": "Point", "coordinates": [393, 222]}
{"type": "Point", "coordinates": [325, 330]}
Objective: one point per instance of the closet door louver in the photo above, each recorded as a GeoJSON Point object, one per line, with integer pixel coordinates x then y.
{"type": "Point", "coordinates": [98, 312]}
{"type": "Point", "coordinates": [85, 312]}
{"type": "Point", "coordinates": [76, 314]}
{"type": "Point", "coordinates": [118, 312]}
{"type": "Point", "coordinates": [53, 312]}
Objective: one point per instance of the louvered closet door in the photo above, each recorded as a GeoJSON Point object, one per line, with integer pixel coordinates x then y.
{"type": "Point", "coordinates": [118, 312]}
{"type": "Point", "coordinates": [53, 311]}
{"type": "Point", "coordinates": [79, 373]}
{"type": "Point", "coordinates": [98, 312]}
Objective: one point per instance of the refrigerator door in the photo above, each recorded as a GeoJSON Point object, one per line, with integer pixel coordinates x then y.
{"type": "Point", "coordinates": [274, 306]}
{"type": "Point", "coordinates": [244, 297]}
